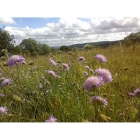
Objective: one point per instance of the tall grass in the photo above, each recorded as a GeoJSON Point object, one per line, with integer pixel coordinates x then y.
{"type": "Point", "coordinates": [34, 95]}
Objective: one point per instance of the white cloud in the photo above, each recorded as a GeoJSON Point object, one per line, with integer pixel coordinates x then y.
{"type": "Point", "coordinates": [7, 20]}
{"type": "Point", "coordinates": [69, 31]}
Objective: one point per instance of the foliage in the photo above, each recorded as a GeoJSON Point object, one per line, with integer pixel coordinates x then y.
{"type": "Point", "coordinates": [6, 40]}
{"type": "Point", "coordinates": [34, 95]}
{"type": "Point", "coordinates": [64, 48]}
{"type": "Point", "coordinates": [133, 38]}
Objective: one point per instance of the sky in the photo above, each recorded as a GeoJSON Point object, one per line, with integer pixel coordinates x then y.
{"type": "Point", "coordinates": [58, 31]}
{"type": "Point", "coordinates": [58, 22]}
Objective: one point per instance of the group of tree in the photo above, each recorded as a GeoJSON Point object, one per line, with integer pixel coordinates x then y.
{"type": "Point", "coordinates": [132, 38]}
{"type": "Point", "coordinates": [27, 46]}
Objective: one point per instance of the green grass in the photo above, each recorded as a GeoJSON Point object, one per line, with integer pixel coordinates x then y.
{"type": "Point", "coordinates": [65, 98]}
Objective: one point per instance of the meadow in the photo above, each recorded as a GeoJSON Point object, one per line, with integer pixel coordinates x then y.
{"type": "Point", "coordinates": [35, 94]}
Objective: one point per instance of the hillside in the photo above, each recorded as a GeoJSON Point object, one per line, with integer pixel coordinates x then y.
{"type": "Point", "coordinates": [101, 44]}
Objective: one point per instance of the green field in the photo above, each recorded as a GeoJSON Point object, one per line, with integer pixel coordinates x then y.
{"type": "Point", "coordinates": [34, 95]}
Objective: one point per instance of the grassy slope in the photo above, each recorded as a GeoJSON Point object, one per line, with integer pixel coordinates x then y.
{"type": "Point", "coordinates": [65, 97]}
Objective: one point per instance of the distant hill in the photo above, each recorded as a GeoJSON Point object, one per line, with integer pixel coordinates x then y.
{"type": "Point", "coordinates": [97, 44]}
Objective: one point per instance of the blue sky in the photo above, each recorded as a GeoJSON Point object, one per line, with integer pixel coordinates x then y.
{"type": "Point", "coordinates": [63, 22]}
{"type": "Point", "coordinates": [33, 22]}
{"type": "Point", "coordinates": [58, 31]}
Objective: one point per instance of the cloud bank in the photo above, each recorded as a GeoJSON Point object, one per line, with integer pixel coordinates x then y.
{"type": "Point", "coordinates": [68, 31]}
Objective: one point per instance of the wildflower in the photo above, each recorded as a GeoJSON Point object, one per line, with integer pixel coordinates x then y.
{"type": "Point", "coordinates": [81, 58]}
{"type": "Point", "coordinates": [101, 58]}
{"type": "Point", "coordinates": [100, 101]}
{"type": "Point", "coordinates": [93, 81]}
{"type": "Point", "coordinates": [40, 85]}
{"type": "Point", "coordinates": [17, 98]}
{"type": "Point", "coordinates": [53, 62]}
{"type": "Point", "coordinates": [85, 73]}
{"type": "Point", "coordinates": [51, 119]}
{"type": "Point", "coordinates": [15, 59]}
{"type": "Point", "coordinates": [135, 93]}
{"type": "Point", "coordinates": [66, 66]}
{"type": "Point", "coordinates": [105, 74]}
{"type": "Point", "coordinates": [52, 73]}
{"type": "Point", "coordinates": [87, 67]}
{"type": "Point", "coordinates": [3, 110]}
{"type": "Point", "coordinates": [105, 118]}
{"type": "Point", "coordinates": [2, 95]}
{"type": "Point", "coordinates": [122, 114]}
{"type": "Point", "coordinates": [6, 82]}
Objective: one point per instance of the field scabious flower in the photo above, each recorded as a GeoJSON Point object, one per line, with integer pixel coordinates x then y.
{"type": "Point", "coordinates": [100, 101]}
{"type": "Point", "coordinates": [6, 82]}
{"type": "Point", "coordinates": [51, 119]}
{"type": "Point", "coordinates": [3, 110]}
{"type": "Point", "coordinates": [52, 73]}
{"type": "Point", "coordinates": [2, 95]}
{"type": "Point", "coordinates": [15, 59]}
{"type": "Point", "coordinates": [87, 67]}
{"type": "Point", "coordinates": [93, 81]}
{"type": "Point", "coordinates": [135, 93]}
{"type": "Point", "coordinates": [53, 62]}
{"type": "Point", "coordinates": [81, 58]}
{"type": "Point", "coordinates": [66, 66]}
{"type": "Point", "coordinates": [105, 74]}
{"type": "Point", "coordinates": [101, 58]}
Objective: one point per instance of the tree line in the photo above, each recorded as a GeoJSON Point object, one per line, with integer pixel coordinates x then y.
{"type": "Point", "coordinates": [27, 46]}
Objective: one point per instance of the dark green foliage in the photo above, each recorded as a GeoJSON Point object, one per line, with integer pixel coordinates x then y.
{"type": "Point", "coordinates": [64, 48]}
{"type": "Point", "coordinates": [6, 40]}
{"type": "Point", "coordinates": [133, 38]}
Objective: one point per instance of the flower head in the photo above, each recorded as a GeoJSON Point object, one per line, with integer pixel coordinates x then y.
{"type": "Point", "coordinates": [87, 67]}
{"type": "Point", "coordinates": [51, 119]}
{"type": "Point", "coordinates": [101, 58]}
{"type": "Point", "coordinates": [100, 101]}
{"type": "Point", "coordinates": [135, 93]}
{"type": "Point", "coordinates": [66, 66]}
{"type": "Point", "coordinates": [81, 58]}
{"type": "Point", "coordinates": [93, 81]}
{"type": "Point", "coordinates": [105, 74]}
{"type": "Point", "coordinates": [2, 95]}
{"type": "Point", "coordinates": [51, 72]}
{"type": "Point", "coordinates": [53, 62]}
{"type": "Point", "coordinates": [3, 110]}
{"type": "Point", "coordinates": [6, 82]}
{"type": "Point", "coordinates": [15, 59]}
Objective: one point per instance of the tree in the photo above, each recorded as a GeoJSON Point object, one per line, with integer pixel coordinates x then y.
{"type": "Point", "coordinates": [64, 48]}
{"type": "Point", "coordinates": [87, 47]}
{"type": "Point", "coordinates": [6, 40]}
{"type": "Point", "coordinates": [30, 45]}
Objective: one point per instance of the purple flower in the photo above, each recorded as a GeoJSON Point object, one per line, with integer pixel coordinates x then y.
{"type": "Point", "coordinates": [87, 67]}
{"type": "Point", "coordinates": [93, 81]}
{"type": "Point", "coordinates": [135, 93]}
{"type": "Point", "coordinates": [6, 82]}
{"type": "Point", "coordinates": [105, 74]}
{"type": "Point", "coordinates": [53, 62]}
{"type": "Point", "coordinates": [3, 110]}
{"type": "Point", "coordinates": [81, 58]}
{"type": "Point", "coordinates": [100, 101]}
{"type": "Point", "coordinates": [101, 58]}
{"type": "Point", "coordinates": [122, 114]}
{"type": "Point", "coordinates": [15, 59]}
{"type": "Point", "coordinates": [51, 119]}
{"type": "Point", "coordinates": [52, 73]}
{"type": "Point", "coordinates": [2, 95]}
{"type": "Point", "coordinates": [85, 73]}
{"type": "Point", "coordinates": [66, 66]}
